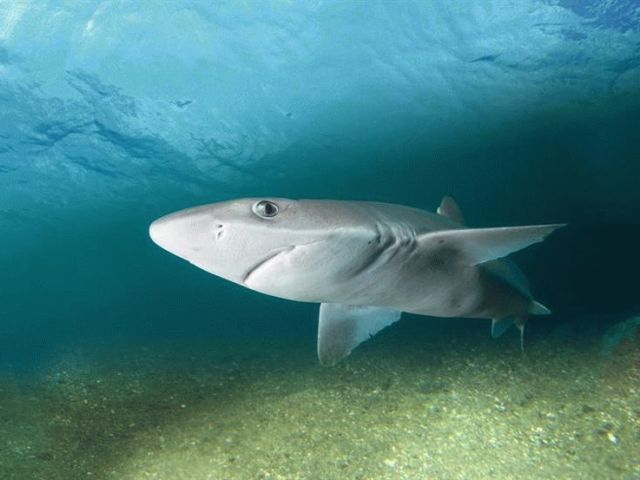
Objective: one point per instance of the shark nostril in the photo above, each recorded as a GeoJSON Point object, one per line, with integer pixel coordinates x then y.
{"type": "Point", "coordinates": [219, 231]}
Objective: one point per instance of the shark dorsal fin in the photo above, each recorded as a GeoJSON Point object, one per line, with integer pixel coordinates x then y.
{"type": "Point", "coordinates": [449, 208]}
{"type": "Point", "coordinates": [341, 328]}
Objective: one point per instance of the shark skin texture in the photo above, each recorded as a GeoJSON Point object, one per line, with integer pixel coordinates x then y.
{"type": "Point", "coordinates": [364, 262]}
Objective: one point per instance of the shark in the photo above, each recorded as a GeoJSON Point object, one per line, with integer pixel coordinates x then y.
{"type": "Point", "coordinates": [364, 262]}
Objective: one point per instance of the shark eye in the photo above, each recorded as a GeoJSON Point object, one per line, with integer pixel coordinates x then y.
{"type": "Point", "coordinates": [265, 209]}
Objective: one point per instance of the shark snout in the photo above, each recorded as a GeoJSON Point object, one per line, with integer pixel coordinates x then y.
{"type": "Point", "coordinates": [163, 233]}
{"type": "Point", "coordinates": [185, 233]}
{"type": "Point", "coordinates": [158, 231]}
{"type": "Point", "coordinates": [204, 237]}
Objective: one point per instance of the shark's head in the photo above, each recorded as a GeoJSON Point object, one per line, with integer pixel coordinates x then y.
{"type": "Point", "coordinates": [293, 249]}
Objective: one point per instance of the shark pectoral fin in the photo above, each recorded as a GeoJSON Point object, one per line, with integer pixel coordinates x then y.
{"type": "Point", "coordinates": [449, 208]}
{"type": "Point", "coordinates": [342, 328]}
{"type": "Point", "coordinates": [479, 245]}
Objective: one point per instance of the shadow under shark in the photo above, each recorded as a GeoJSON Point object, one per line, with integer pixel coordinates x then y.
{"type": "Point", "coordinates": [364, 262]}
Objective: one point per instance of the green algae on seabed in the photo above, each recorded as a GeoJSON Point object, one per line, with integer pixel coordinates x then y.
{"type": "Point", "coordinates": [445, 408]}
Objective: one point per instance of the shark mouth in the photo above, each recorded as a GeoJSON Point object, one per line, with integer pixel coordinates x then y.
{"type": "Point", "coordinates": [272, 255]}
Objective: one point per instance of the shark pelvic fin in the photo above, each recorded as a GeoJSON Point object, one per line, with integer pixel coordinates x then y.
{"type": "Point", "coordinates": [501, 325]}
{"type": "Point", "coordinates": [449, 208]}
{"type": "Point", "coordinates": [520, 323]}
{"type": "Point", "coordinates": [341, 328]}
{"type": "Point", "coordinates": [536, 308]}
{"type": "Point", "coordinates": [479, 245]}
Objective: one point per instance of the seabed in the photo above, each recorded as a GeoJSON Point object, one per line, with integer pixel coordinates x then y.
{"type": "Point", "coordinates": [436, 407]}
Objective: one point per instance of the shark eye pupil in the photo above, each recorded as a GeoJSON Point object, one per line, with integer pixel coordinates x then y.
{"type": "Point", "coordinates": [265, 209]}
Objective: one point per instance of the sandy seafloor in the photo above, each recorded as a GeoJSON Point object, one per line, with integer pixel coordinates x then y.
{"type": "Point", "coordinates": [401, 407]}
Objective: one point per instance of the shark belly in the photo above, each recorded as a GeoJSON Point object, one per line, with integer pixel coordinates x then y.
{"type": "Point", "coordinates": [434, 283]}
{"type": "Point", "coordinates": [454, 293]}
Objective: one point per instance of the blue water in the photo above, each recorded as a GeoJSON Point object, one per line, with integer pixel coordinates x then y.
{"type": "Point", "coordinates": [115, 113]}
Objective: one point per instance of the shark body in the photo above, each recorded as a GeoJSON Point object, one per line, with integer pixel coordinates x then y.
{"type": "Point", "coordinates": [364, 262]}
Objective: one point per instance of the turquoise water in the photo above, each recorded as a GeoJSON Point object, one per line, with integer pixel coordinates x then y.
{"type": "Point", "coordinates": [113, 114]}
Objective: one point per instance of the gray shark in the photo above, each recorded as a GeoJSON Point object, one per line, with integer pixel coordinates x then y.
{"type": "Point", "coordinates": [364, 262]}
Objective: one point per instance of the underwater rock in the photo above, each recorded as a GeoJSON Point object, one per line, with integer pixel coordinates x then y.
{"type": "Point", "coordinates": [618, 334]}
